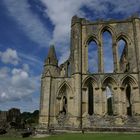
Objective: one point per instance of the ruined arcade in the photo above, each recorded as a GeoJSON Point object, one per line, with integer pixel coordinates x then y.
{"type": "Point", "coordinates": [73, 97]}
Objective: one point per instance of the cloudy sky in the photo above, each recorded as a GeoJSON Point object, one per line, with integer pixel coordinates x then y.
{"type": "Point", "coordinates": [28, 27]}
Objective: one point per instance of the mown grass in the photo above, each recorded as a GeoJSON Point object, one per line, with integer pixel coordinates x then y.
{"type": "Point", "coordinates": [90, 136]}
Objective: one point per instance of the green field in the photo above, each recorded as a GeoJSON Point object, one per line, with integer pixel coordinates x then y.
{"type": "Point", "coordinates": [117, 136]}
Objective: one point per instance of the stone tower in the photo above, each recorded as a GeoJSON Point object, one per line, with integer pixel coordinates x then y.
{"type": "Point", "coordinates": [74, 98]}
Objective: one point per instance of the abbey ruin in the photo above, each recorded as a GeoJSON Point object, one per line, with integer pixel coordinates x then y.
{"type": "Point", "coordinates": [73, 97]}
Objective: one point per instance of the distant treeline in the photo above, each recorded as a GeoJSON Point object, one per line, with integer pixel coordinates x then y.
{"type": "Point", "coordinates": [29, 117]}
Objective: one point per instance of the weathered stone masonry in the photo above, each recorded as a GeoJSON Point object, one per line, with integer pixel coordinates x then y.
{"type": "Point", "coordinates": [71, 97]}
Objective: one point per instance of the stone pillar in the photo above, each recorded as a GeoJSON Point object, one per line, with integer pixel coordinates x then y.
{"type": "Point", "coordinates": [123, 102]}
{"type": "Point", "coordinates": [136, 29]}
{"type": "Point", "coordinates": [86, 98]}
{"type": "Point", "coordinates": [100, 58]}
{"type": "Point", "coordinates": [115, 57]}
{"type": "Point", "coordinates": [99, 109]}
{"type": "Point", "coordinates": [104, 101]}
{"type": "Point", "coordinates": [135, 101]}
{"type": "Point", "coordinates": [45, 101]}
{"type": "Point", "coordinates": [119, 101]}
{"type": "Point", "coordinates": [76, 42]}
{"type": "Point", "coordinates": [77, 100]}
{"type": "Point", "coordinates": [84, 50]}
{"type": "Point", "coordinates": [84, 101]}
{"type": "Point", "coordinates": [116, 102]}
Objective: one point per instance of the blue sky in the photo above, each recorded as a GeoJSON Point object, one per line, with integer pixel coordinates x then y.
{"type": "Point", "coordinates": [28, 27]}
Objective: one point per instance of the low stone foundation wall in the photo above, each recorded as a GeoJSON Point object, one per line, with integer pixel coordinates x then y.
{"type": "Point", "coordinates": [95, 124]}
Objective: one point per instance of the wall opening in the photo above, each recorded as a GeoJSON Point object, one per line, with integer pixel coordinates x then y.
{"type": "Point", "coordinates": [92, 57]}
{"type": "Point", "coordinates": [121, 47]}
{"type": "Point", "coordinates": [122, 55]}
{"type": "Point", "coordinates": [128, 100]}
{"type": "Point", "coordinates": [68, 69]}
{"type": "Point", "coordinates": [63, 100]}
{"type": "Point", "coordinates": [90, 98]}
{"type": "Point", "coordinates": [107, 52]}
{"type": "Point", "coordinates": [109, 101]}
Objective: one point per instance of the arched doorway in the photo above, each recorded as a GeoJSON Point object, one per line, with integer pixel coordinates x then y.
{"type": "Point", "coordinates": [65, 100]}
{"type": "Point", "coordinates": [109, 83]}
{"type": "Point", "coordinates": [90, 98]}
{"type": "Point", "coordinates": [130, 95]}
{"type": "Point", "coordinates": [109, 97]}
{"type": "Point", "coordinates": [128, 100]}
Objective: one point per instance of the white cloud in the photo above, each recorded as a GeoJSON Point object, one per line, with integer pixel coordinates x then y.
{"type": "Point", "coordinates": [30, 104]}
{"type": "Point", "coordinates": [9, 56]}
{"type": "Point", "coordinates": [126, 7]}
{"type": "Point", "coordinates": [26, 67]}
{"type": "Point", "coordinates": [102, 8]}
{"type": "Point", "coordinates": [28, 21]}
{"type": "Point", "coordinates": [33, 60]}
{"type": "Point", "coordinates": [64, 54]}
{"type": "Point", "coordinates": [4, 72]}
{"type": "Point", "coordinates": [17, 85]}
{"type": "Point", "coordinates": [60, 13]}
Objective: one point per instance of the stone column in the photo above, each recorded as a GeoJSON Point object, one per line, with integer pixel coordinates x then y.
{"type": "Point", "coordinates": [135, 97]}
{"type": "Point", "coordinates": [119, 101]}
{"type": "Point", "coordinates": [99, 105]}
{"type": "Point", "coordinates": [86, 98]}
{"type": "Point", "coordinates": [123, 101]}
{"type": "Point", "coordinates": [100, 58]}
{"type": "Point", "coordinates": [116, 102]}
{"type": "Point", "coordinates": [77, 67]}
{"type": "Point", "coordinates": [84, 50]}
{"type": "Point", "coordinates": [77, 100]}
{"type": "Point", "coordinates": [115, 56]}
{"type": "Point", "coordinates": [136, 29]}
{"type": "Point", "coordinates": [104, 101]}
{"type": "Point", "coordinates": [76, 42]}
{"type": "Point", "coordinates": [45, 101]}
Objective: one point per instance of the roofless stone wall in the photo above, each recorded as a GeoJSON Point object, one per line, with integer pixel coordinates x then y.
{"type": "Point", "coordinates": [74, 98]}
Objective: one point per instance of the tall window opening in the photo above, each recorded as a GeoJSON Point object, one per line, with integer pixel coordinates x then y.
{"type": "Point", "coordinates": [69, 69]}
{"type": "Point", "coordinates": [90, 98]}
{"type": "Point", "coordinates": [107, 52]}
{"type": "Point", "coordinates": [128, 100]}
{"type": "Point", "coordinates": [121, 46]}
{"type": "Point", "coordinates": [63, 100]}
{"type": "Point", "coordinates": [109, 101]}
{"type": "Point", "coordinates": [122, 55]}
{"type": "Point", "coordinates": [92, 57]}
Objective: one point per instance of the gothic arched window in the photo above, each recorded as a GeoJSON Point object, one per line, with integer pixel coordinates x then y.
{"type": "Point", "coordinates": [107, 52]}
{"type": "Point", "coordinates": [92, 57]}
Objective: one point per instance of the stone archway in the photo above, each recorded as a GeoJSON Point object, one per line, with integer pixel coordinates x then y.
{"type": "Point", "coordinates": [88, 96]}
{"type": "Point", "coordinates": [109, 86]}
{"type": "Point", "coordinates": [130, 96]}
{"type": "Point", "coordinates": [64, 103]}
{"type": "Point", "coordinates": [128, 100]}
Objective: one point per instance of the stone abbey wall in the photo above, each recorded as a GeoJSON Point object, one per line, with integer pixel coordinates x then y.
{"type": "Point", "coordinates": [72, 97]}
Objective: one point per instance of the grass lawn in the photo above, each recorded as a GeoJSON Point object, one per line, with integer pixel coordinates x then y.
{"type": "Point", "coordinates": [90, 136]}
